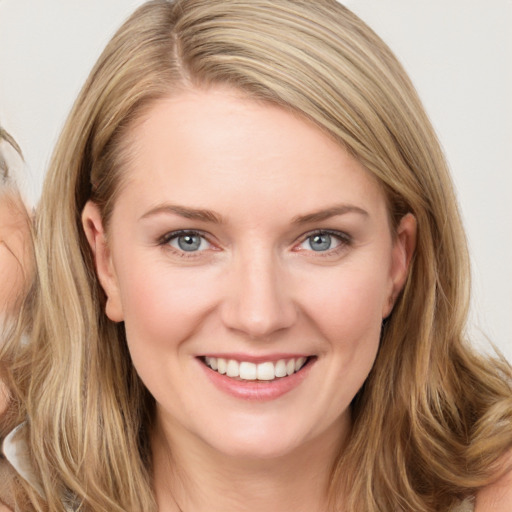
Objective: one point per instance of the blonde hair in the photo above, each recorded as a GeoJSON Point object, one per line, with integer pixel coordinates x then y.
{"type": "Point", "coordinates": [11, 158]}
{"type": "Point", "coordinates": [15, 247]}
{"type": "Point", "coordinates": [428, 422]}
{"type": "Point", "coordinates": [5, 169]}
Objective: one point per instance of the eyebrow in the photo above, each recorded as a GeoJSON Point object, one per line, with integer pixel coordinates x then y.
{"type": "Point", "coordinates": [185, 212]}
{"type": "Point", "coordinates": [334, 211]}
{"type": "Point", "coordinates": [204, 215]}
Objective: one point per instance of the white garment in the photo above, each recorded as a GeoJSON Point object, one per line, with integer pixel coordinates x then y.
{"type": "Point", "coordinates": [15, 450]}
{"type": "Point", "coordinates": [466, 506]}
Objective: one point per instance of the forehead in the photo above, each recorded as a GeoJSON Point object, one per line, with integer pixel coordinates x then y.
{"type": "Point", "coordinates": [203, 145]}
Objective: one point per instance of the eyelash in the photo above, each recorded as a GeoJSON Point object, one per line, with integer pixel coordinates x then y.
{"type": "Point", "coordinates": [165, 240]}
{"type": "Point", "coordinates": [344, 240]}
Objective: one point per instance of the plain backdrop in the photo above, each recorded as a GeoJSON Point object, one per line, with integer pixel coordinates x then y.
{"type": "Point", "coordinates": [458, 53]}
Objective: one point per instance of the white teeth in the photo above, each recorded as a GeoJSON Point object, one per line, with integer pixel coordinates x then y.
{"type": "Point", "coordinates": [232, 369]}
{"type": "Point", "coordinates": [299, 363]}
{"type": "Point", "coordinates": [251, 371]}
{"type": "Point", "coordinates": [221, 365]}
{"type": "Point", "coordinates": [266, 371]}
{"type": "Point", "coordinates": [281, 368]}
{"type": "Point", "coordinates": [248, 371]}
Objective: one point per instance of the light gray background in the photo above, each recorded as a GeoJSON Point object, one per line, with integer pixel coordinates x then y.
{"type": "Point", "coordinates": [458, 53]}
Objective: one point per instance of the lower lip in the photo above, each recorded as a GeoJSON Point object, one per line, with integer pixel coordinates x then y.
{"type": "Point", "coordinates": [257, 390]}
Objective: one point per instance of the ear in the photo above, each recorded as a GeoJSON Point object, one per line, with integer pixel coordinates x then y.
{"type": "Point", "coordinates": [404, 245]}
{"type": "Point", "coordinates": [93, 228]}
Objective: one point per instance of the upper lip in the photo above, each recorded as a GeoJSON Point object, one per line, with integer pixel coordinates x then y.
{"type": "Point", "coordinates": [256, 358]}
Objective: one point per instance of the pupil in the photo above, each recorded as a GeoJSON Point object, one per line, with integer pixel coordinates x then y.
{"type": "Point", "coordinates": [189, 242]}
{"type": "Point", "coordinates": [320, 242]}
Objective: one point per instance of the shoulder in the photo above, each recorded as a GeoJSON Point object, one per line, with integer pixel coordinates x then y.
{"type": "Point", "coordinates": [497, 497]}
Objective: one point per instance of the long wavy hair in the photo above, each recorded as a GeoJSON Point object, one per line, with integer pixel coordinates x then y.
{"type": "Point", "coordinates": [433, 417]}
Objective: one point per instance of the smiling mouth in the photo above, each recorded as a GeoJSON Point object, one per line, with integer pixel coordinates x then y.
{"type": "Point", "coordinates": [248, 371]}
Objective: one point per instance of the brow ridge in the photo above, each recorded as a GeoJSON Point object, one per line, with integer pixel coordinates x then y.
{"type": "Point", "coordinates": [327, 213]}
{"type": "Point", "coordinates": [206, 215]}
{"type": "Point", "coordinates": [199, 214]}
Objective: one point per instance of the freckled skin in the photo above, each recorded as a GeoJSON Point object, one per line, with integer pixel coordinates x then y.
{"type": "Point", "coordinates": [256, 286]}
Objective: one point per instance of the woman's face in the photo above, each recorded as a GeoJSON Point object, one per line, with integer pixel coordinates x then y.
{"type": "Point", "coordinates": [14, 250]}
{"type": "Point", "coordinates": [251, 260]}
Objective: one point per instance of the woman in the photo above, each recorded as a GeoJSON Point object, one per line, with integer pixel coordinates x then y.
{"type": "Point", "coordinates": [252, 283]}
{"type": "Point", "coordinates": [14, 225]}
{"type": "Point", "coordinates": [15, 247]}
{"type": "Point", "coordinates": [14, 237]}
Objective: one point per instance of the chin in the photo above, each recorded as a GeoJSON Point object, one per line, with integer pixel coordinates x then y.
{"type": "Point", "coordinates": [258, 438]}
{"type": "Point", "coordinates": [251, 449]}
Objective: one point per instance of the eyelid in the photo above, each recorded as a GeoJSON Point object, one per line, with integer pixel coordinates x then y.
{"type": "Point", "coordinates": [344, 238]}
{"type": "Point", "coordinates": [164, 241]}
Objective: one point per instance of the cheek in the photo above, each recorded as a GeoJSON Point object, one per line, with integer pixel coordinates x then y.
{"type": "Point", "coordinates": [347, 304]}
{"type": "Point", "coordinates": [344, 310]}
{"type": "Point", "coordinates": [162, 305]}
{"type": "Point", "coordinates": [351, 322]}
{"type": "Point", "coordinates": [163, 308]}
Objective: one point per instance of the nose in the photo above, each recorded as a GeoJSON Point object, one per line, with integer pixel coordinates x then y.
{"type": "Point", "coordinates": [259, 300]}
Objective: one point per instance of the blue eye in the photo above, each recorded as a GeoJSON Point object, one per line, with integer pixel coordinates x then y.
{"type": "Point", "coordinates": [320, 242]}
{"type": "Point", "coordinates": [323, 241]}
{"type": "Point", "coordinates": [187, 241]}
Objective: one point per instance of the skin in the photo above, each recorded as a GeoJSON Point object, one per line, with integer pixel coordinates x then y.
{"type": "Point", "coordinates": [14, 250]}
{"type": "Point", "coordinates": [14, 262]}
{"type": "Point", "coordinates": [254, 287]}
{"type": "Point", "coordinates": [497, 497]}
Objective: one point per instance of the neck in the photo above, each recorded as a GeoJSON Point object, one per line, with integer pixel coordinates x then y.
{"type": "Point", "coordinates": [190, 476]}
